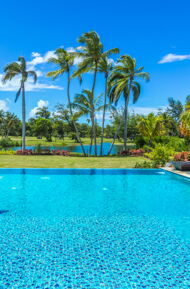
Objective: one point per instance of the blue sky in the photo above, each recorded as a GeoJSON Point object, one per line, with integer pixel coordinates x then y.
{"type": "Point", "coordinates": [156, 33]}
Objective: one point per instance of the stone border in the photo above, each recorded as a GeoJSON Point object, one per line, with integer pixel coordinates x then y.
{"type": "Point", "coordinates": [174, 171]}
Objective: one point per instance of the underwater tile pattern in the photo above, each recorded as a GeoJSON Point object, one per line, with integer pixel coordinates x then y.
{"type": "Point", "coordinates": [94, 231]}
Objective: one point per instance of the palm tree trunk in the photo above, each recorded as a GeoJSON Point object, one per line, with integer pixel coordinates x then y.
{"type": "Point", "coordinates": [94, 132]}
{"type": "Point", "coordinates": [125, 122]}
{"type": "Point", "coordinates": [116, 134]}
{"type": "Point", "coordinates": [91, 136]}
{"type": "Point", "coordinates": [71, 113]}
{"type": "Point", "coordinates": [23, 118]}
{"type": "Point", "coordinates": [94, 124]}
{"type": "Point", "coordinates": [126, 115]}
{"type": "Point", "coordinates": [103, 117]}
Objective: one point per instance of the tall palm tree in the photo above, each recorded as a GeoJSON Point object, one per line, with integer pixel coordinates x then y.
{"type": "Point", "coordinates": [86, 104]}
{"type": "Point", "coordinates": [64, 61]}
{"type": "Point", "coordinates": [122, 82]}
{"type": "Point", "coordinates": [105, 67]}
{"type": "Point", "coordinates": [19, 69]}
{"type": "Point", "coordinates": [90, 53]}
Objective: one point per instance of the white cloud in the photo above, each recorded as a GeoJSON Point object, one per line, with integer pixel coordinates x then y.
{"type": "Point", "coordinates": [41, 103]}
{"type": "Point", "coordinates": [14, 84]}
{"type": "Point", "coordinates": [39, 59]}
{"type": "Point", "coordinates": [4, 104]}
{"type": "Point", "coordinates": [173, 57]}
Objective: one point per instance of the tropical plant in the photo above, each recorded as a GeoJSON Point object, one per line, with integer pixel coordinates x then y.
{"type": "Point", "coordinates": [91, 53]}
{"type": "Point", "coordinates": [64, 61]}
{"type": "Point", "coordinates": [87, 105]}
{"type": "Point", "coordinates": [123, 82]}
{"type": "Point", "coordinates": [185, 119]}
{"type": "Point", "coordinates": [15, 69]}
{"type": "Point", "coordinates": [160, 154]}
{"type": "Point", "coordinates": [151, 126]}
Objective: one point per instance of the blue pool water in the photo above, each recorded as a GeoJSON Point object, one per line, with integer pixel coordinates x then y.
{"type": "Point", "coordinates": [63, 228]}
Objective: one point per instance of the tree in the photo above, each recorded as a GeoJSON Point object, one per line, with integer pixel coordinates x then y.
{"type": "Point", "coordinates": [42, 112]}
{"type": "Point", "coordinates": [43, 128]}
{"type": "Point", "coordinates": [151, 126]}
{"type": "Point", "coordinates": [91, 53]}
{"type": "Point", "coordinates": [174, 109]}
{"type": "Point", "coordinates": [86, 104]}
{"type": "Point", "coordinates": [12, 70]}
{"type": "Point", "coordinates": [122, 82]}
{"type": "Point", "coordinates": [64, 61]}
{"type": "Point", "coordinates": [105, 67]}
{"type": "Point", "coordinates": [10, 124]}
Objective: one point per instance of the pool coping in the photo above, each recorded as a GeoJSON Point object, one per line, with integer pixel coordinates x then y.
{"type": "Point", "coordinates": [176, 172]}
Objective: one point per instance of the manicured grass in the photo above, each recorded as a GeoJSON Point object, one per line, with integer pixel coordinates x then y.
{"type": "Point", "coordinates": [16, 161]}
{"type": "Point", "coordinates": [32, 141]}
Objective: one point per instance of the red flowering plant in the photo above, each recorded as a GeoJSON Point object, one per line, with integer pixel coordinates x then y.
{"type": "Point", "coordinates": [60, 152]}
{"type": "Point", "coordinates": [182, 157]}
{"type": "Point", "coordinates": [136, 152]}
{"type": "Point", "coordinates": [25, 152]}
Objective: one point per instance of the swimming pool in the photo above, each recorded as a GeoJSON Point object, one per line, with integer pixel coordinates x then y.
{"type": "Point", "coordinates": [104, 228]}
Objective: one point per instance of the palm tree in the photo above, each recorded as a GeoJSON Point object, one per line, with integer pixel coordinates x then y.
{"type": "Point", "coordinates": [15, 69]}
{"type": "Point", "coordinates": [91, 54]}
{"type": "Point", "coordinates": [104, 66]}
{"type": "Point", "coordinates": [122, 82]}
{"type": "Point", "coordinates": [64, 61]}
{"type": "Point", "coordinates": [86, 104]}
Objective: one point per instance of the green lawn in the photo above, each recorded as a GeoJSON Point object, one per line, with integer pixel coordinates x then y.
{"type": "Point", "coordinates": [32, 141]}
{"type": "Point", "coordinates": [16, 161]}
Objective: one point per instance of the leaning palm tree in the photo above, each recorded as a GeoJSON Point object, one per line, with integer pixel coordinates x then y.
{"type": "Point", "coordinates": [87, 105]}
{"type": "Point", "coordinates": [15, 69]}
{"type": "Point", "coordinates": [64, 61]}
{"type": "Point", "coordinates": [122, 82]}
{"type": "Point", "coordinates": [91, 53]}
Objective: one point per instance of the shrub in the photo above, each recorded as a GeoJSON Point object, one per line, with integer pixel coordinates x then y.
{"type": "Point", "coordinates": [25, 152]}
{"type": "Point", "coordinates": [38, 149]}
{"type": "Point", "coordinates": [136, 152]}
{"type": "Point", "coordinates": [146, 165]}
{"type": "Point", "coordinates": [183, 156]}
{"type": "Point", "coordinates": [7, 142]}
{"type": "Point", "coordinates": [60, 152]}
{"type": "Point", "coordinates": [7, 152]}
{"type": "Point", "coordinates": [160, 154]}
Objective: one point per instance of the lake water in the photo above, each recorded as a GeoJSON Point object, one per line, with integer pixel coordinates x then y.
{"type": "Point", "coordinates": [77, 148]}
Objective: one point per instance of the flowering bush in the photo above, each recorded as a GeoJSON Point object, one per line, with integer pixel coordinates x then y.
{"type": "Point", "coordinates": [60, 152]}
{"type": "Point", "coordinates": [136, 152]}
{"type": "Point", "coordinates": [184, 156]}
{"type": "Point", "coordinates": [25, 152]}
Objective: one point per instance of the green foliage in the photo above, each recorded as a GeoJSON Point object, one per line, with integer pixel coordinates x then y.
{"type": "Point", "coordinates": [161, 154]}
{"type": "Point", "coordinates": [7, 142]}
{"type": "Point", "coordinates": [7, 152]}
{"type": "Point", "coordinates": [43, 128]}
{"type": "Point", "coordinates": [146, 165]}
{"type": "Point", "coordinates": [38, 149]}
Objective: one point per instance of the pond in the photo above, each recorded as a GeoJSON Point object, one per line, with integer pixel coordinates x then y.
{"type": "Point", "coordinates": [77, 148]}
